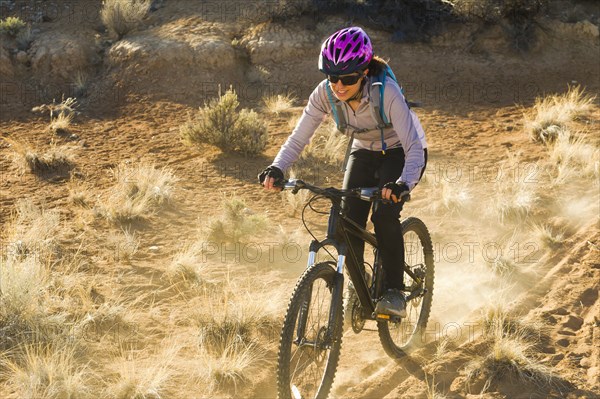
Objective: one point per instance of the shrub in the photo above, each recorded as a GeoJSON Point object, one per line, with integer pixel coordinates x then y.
{"type": "Point", "coordinates": [122, 16]}
{"type": "Point", "coordinates": [220, 123]}
{"type": "Point", "coordinates": [12, 26]}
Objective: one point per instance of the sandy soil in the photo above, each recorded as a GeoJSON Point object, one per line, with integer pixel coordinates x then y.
{"type": "Point", "coordinates": [473, 100]}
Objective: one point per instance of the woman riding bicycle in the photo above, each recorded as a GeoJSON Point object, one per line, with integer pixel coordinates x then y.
{"type": "Point", "coordinates": [392, 159]}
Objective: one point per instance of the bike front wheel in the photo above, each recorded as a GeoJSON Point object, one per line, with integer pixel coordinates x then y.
{"type": "Point", "coordinates": [311, 337]}
{"type": "Point", "coordinates": [398, 338]}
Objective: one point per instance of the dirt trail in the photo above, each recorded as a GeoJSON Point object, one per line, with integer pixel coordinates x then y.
{"type": "Point", "coordinates": [473, 102]}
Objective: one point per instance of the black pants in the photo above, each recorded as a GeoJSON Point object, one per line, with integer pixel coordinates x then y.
{"type": "Point", "coordinates": [368, 169]}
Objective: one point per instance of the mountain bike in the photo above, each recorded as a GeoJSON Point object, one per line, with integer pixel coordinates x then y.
{"type": "Point", "coordinates": [311, 336]}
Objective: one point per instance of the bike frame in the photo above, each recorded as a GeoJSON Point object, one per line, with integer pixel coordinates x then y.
{"type": "Point", "coordinates": [339, 225]}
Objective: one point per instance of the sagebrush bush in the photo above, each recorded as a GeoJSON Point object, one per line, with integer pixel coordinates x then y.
{"type": "Point", "coordinates": [221, 123]}
{"type": "Point", "coordinates": [12, 26]}
{"type": "Point", "coordinates": [122, 16]}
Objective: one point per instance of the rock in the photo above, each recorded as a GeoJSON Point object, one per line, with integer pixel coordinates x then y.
{"type": "Point", "coordinates": [22, 57]}
{"type": "Point", "coordinates": [593, 373]}
{"type": "Point", "coordinates": [588, 28]}
{"type": "Point", "coordinates": [563, 342]}
{"type": "Point", "coordinates": [6, 66]}
{"type": "Point", "coordinates": [561, 311]}
{"type": "Point", "coordinates": [574, 323]}
{"type": "Point", "coordinates": [60, 56]}
{"type": "Point", "coordinates": [154, 248]}
{"type": "Point", "coordinates": [585, 362]}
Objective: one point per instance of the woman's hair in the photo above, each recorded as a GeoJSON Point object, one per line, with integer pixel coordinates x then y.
{"type": "Point", "coordinates": [376, 66]}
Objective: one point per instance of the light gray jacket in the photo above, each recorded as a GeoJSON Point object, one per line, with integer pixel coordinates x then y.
{"type": "Point", "coordinates": [406, 130]}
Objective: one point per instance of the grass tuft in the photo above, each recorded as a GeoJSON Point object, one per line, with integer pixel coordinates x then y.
{"type": "Point", "coordinates": [511, 352]}
{"type": "Point", "coordinates": [45, 372]}
{"type": "Point", "coordinates": [280, 103]}
{"type": "Point", "coordinates": [237, 224]}
{"type": "Point", "coordinates": [551, 115]}
{"type": "Point", "coordinates": [137, 193]}
{"type": "Point", "coordinates": [187, 266]}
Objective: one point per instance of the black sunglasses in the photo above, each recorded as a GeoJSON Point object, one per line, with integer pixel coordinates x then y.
{"type": "Point", "coordinates": [346, 80]}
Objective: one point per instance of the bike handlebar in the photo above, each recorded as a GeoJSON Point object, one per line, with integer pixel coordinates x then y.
{"type": "Point", "coordinates": [369, 194]}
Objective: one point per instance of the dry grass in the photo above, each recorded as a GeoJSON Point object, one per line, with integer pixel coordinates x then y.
{"type": "Point", "coordinates": [187, 266]}
{"type": "Point", "coordinates": [33, 231]}
{"type": "Point", "coordinates": [124, 245]}
{"type": "Point", "coordinates": [548, 237]}
{"type": "Point", "coordinates": [147, 378]}
{"type": "Point", "coordinates": [23, 318]}
{"type": "Point", "coordinates": [327, 145]}
{"type": "Point", "coordinates": [57, 160]}
{"type": "Point", "coordinates": [515, 197]}
{"type": "Point", "coordinates": [431, 391]}
{"type": "Point", "coordinates": [61, 114]}
{"type": "Point", "coordinates": [279, 103]}
{"type": "Point", "coordinates": [46, 372]}
{"type": "Point", "coordinates": [122, 16]}
{"type": "Point", "coordinates": [233, 330]}
{"type": "Point", "coordinates": [235, 365]}
{"type": "Point", "coordinates": [552, 114]}
{"type": "Point", "coordinates": [573, 157]}
{"type": "Point", "coordinates": [220, 123]}
{"type": "Point", "coordinates": [454, 196]}
{"type": "Point", "coordinates": [238, 223]}
{"type": "Point", "coordinates": [61, 123]}
{"type": "Point", "coordinates": [80, 83]}
{"type": "Point", "coordinates": [138, 192]}
{"type": "Point", "coordinates": [512, 351]}
{"type": "Point", "coordinates": [294, 203]}
{"type": "Point", "coordinates": [80, 194]}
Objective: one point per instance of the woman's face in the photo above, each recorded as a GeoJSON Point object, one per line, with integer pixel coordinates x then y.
{"type": "Point", "coordinates": [345, 92]}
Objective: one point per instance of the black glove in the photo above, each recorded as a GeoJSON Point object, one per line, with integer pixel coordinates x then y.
{"type": "Point", "coordinates": [271, 171]}
{"type": "Point", "coordinates": [399, 190]}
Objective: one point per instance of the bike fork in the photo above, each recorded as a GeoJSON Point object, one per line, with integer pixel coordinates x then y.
{"type": "Point", "coordinates": [336, 297]}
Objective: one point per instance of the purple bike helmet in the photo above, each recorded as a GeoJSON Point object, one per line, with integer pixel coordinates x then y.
{"type": "Point", "coordinates": [346, 51]}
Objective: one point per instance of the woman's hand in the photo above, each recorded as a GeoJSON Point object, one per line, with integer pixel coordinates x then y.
{"type": "Point", "coordinates": [394, 191]}
{"type": "Point", "coordinates": [270, 177]}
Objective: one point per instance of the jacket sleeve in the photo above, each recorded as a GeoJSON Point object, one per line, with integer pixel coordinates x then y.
{"type": "Point", "coordinates": [314, 113]}
{"type": "Point", "coordinates": [402, 121]}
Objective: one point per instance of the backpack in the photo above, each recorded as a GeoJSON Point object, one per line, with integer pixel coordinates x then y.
{"type": "Point", "coordinates": [376, 107]}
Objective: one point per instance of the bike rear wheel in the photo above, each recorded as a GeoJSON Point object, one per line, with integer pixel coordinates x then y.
{"type": "Point", "coordinates": [399, 338]}
{"type": "Point", "coordinates": [311, 338]}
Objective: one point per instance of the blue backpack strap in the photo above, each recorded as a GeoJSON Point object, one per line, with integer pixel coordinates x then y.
{"type": "Point", "coordinates": [338, 112]}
